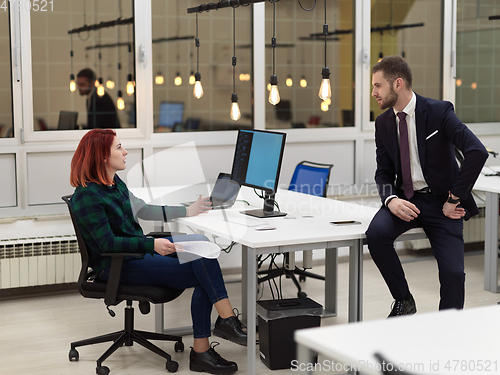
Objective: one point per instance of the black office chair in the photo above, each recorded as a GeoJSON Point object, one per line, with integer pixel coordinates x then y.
{"type": "Point", "coordinates": [114, 293]}
{"type": "Point", "coordinates": [308, 178]}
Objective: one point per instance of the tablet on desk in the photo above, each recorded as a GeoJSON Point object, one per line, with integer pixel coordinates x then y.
{"type": "Point", "coordinates": [345, 222]}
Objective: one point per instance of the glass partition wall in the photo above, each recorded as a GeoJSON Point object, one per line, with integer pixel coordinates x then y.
{"type": "Point", "coordinates": [6, 128]}
{"type": "Point", "coordinates": [176, 60]}
{"type": "Point", "coordinates": [478, 61]}
{"type": "Point", "coordinates": [412, 29]}
{"type": "Point", "coordinates": [77, 35]}
{"type": "Point", "coordinates": [301, 56]}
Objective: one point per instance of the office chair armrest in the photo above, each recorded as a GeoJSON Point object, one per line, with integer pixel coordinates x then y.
{"type": "Point", "coordinates": [114, 275]}
{"type": "Point", "coordinates": [164, 234]}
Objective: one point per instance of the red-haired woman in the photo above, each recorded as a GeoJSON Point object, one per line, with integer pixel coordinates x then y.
{"type": "Point", "coordinates": [106, 212]}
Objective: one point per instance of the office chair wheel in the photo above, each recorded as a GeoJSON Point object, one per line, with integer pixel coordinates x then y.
{"type": "Point", "coordinates": [74, 355]}
{"type": "Point", "coordinates": [103, 370]}
{"type": "Point", "coordinates": [179, 347]}
{"type": "Point", "coordinates": [302, 294]}
{"type": "Point", "coordinates": [172, 366]}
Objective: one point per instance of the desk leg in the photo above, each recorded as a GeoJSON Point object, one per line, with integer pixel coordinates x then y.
{"type": "Point", "coordinates": [356, 281]}
{"type": "Point", "coordinates": [304, 357]}
{"type": "Point", "coordinates": [491, 243]}
{"type": "Point", "coordinates": [331, 282]}
{"type": "Point", "coordinates": [249, 298]}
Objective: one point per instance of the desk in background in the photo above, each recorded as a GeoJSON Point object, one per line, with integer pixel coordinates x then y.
{"type": "Point", "coordinates": [491, 186]}
{"type": "Point", "coordinates": [445, 342]}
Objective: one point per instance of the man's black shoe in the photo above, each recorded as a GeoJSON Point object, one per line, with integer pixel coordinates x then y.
{"type": "Point", "coordinates": [231, 329]}
{"type": "Point", "coordinates": [403, 307]}
{"type": "Point", "coordinates": [211, 362]}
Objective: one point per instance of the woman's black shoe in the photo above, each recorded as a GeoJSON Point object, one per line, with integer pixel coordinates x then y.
{"type": "Point", "coordinates": [211, 362]}
{"type": "Point", "coordinates": [231, 329]}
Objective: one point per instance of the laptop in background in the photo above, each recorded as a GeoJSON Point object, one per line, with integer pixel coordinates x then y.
{"type": "Point", "coordinates": [224, 192]}
{"type": "Point", "coordinates": [67, 120]}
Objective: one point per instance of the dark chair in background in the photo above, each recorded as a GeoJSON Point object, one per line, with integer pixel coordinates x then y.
{"type": "Point", "coordinates": [308, 178]}
{"type": "Point", "coordinates": [114, 293]}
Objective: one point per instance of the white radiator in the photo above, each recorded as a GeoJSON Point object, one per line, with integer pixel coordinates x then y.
{"type": "Point", "coordinates": [473, 232]}
{"type": "Point", "coordinates": [39, 261]}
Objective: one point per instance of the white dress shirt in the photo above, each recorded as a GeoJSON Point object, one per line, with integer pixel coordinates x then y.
{"type": "Point", "coordinates": [417, 176]}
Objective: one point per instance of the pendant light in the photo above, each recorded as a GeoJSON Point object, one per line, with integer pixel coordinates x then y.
{"type": "Point", "coordinates": [192, 80]}
{"type": "Point", "coordinates": [120, 103]}
{"type": "Point", "coordinates": [235, 112]}
{"type": "Point", "coordinates": [325, 90]}
{"type": "Point", "coordinates": [72, 84]}
{"type": "Point", "coordinates": [198, 88]}
{"type": "Point", "coordinates": [130, 81]}
{"type": "Point", "coordinates": [274, 94]}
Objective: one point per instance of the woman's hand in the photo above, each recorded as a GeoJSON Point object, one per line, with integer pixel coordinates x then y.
{"type": "Point", "coordinates": [164, 246]}
{"type": "Point", "coordinates": [201, 205]}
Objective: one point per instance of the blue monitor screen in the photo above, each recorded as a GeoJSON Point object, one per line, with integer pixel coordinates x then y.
{"type": "Point", "coordinates": [170, 114]}
{"type": "Point", "coordinates": [257, 159]}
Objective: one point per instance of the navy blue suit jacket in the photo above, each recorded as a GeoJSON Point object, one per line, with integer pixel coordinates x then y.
{"type": "Point", "coordinates": [439, 131]}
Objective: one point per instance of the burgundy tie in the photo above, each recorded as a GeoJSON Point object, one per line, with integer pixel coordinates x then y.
{"type": "Point", "coordinates": [404, 148]}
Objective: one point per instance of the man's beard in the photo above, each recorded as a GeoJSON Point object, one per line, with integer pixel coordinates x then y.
{"type": "Point", "coordinates": [390, 100]}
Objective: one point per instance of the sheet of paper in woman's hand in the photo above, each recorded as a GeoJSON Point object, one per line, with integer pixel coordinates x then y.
{"type": "Point", "coordinates": [203, 249]}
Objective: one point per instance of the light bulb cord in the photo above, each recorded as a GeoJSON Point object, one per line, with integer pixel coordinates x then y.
{"type": "Point", "coordinates": [325, 32]}
{"type": "Point", "coordinates": [234, 49]}
{"type": "Point", "coordinates": [273, 40]}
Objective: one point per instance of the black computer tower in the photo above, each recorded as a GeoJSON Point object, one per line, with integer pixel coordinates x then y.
{"type": "Point", "coordinates": [278, 320]}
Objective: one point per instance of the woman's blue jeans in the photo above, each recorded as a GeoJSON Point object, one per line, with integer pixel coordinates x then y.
{"type": "Point", "coordinates": [204, 275]}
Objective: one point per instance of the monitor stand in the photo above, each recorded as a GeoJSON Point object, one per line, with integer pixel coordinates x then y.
{"type": "Point", "coordinates": [268, 210]}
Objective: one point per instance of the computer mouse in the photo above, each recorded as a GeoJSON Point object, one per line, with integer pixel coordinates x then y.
{"type": "Point", "coordinates": [265, 227]}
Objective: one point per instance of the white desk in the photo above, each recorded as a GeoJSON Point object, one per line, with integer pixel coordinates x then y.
{"type": "Point", "coordinates": [307, 226]}
{"type": "Point", "coordinates": [491, 186]}
{"type": "Point", "coordinates": [447, 342]}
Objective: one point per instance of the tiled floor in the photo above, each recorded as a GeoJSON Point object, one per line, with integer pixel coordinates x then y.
{"type": "Point", "coordinates": [36, 331]}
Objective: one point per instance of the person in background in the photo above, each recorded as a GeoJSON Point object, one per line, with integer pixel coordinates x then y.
{"type": "Point", "coordinates": [107, 213]}
{"type": "Point", "coordinates": [420, 182]}
{"type": "Point", "coordinates": [101, 110]}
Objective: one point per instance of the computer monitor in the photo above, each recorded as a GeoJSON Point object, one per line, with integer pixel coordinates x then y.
{"type": "Point", "coordinates": [67, 120]}
{"type": "Point", "coordinates": [171, 113]}
{"type": "Point", "coordinates": [257, 163]}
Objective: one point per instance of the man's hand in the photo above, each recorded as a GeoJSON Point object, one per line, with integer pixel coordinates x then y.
{"type": "Point", "coordinates": [164, 246]}
{"type": "Point", "coordinates": [403, 209]}
{"type": "Point", "coordinates": [453, 211]}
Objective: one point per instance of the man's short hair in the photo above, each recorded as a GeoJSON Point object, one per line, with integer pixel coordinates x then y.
{"type": "Point", "coordinates": [87, 73]}
{"type": "Point", "coordinates": [394, 67]}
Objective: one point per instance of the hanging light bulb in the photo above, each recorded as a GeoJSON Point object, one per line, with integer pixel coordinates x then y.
{"type": "Point", "coordinates": [178, 79]}
{"type": "Point", "coordinates": [324, 106]}
{"type": "Point", "coordinates": [100, 88]}
{"type": "Point", "coordinates": [130, 85]}
{"type": "Point", "coordinates": [274, 94]}
{"type": "Point", "coordinates": [159, 79]}
{"type": "Point", "coordinates": [328, 101]}
{"type": "Point", "coordinates": [242, 77]}
{"type": "Point", "coordinates": [198, 88]}
{"type": "Point", "coordinates": [72, 84]}
{"type": "Point", "coordinates": [192, 80]}
{"type": "Point", "coordinates": [303, 81]}
{"type": "Point", "coordinates": [110, 84]}
{"type": "Point", "coordinates": [235, 108]}
{"type": "Point", "coordinates": [120, 104]}
{"type": "Point", "coordinates": [325, 90]}
{"type": "Point", "coordinates": [96, 83]}
{"type": "Point", "coordinates": [289, 81]}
